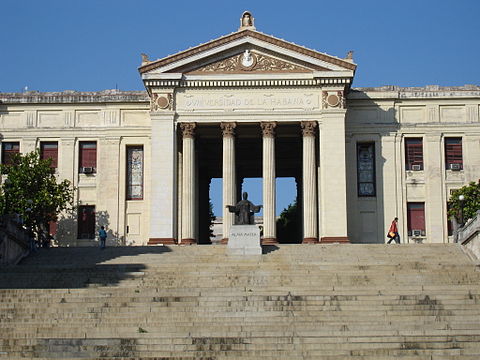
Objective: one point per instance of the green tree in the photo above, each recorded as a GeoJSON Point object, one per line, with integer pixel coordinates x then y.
{"type": "Point", "coordinates": [32, 191]}
{"type": "Point", "coordinates": [288, 225]}
{"type": "Point", "coordinates": [211, 218]}
{"type": "Point", "coordinates": [471, 202]}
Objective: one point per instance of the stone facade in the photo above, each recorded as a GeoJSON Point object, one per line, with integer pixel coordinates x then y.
{"type": "Point", "coordinates": [251, 105]}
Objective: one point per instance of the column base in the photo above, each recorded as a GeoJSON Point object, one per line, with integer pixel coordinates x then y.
{"type": "Point", "coordinates": [310, 240]}
{"type": "Point", "coordinates": [188, 242]}
{"type": "Point", "coordinates": [269, 241]}
{"type": "Point", "coordinates": [335, 239]}
{"type": "Point", "coordinates": [224, 241]}
{"type": "Point", "coordinates": [162, 241]}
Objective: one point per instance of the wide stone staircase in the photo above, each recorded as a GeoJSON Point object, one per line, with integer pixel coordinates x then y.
{"type": "Point", "coordinates": [293, 302]}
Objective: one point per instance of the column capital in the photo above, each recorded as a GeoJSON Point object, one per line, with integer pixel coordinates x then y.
{"type": "Point", "coordinates": [188, 130]}
{"type": "Point", "coordinates": [308, 128]}
{"type": "Point", "coordinates": [268, 128]}
{"type": "Point", "coordinates": [228, 128]}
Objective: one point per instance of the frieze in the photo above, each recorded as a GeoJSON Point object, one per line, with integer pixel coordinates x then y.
{"type": "Point", "coordinates": [247, 101]}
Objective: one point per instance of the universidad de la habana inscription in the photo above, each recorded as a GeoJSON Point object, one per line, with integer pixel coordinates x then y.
{"type": "Point", "coordinates": [247, 101]}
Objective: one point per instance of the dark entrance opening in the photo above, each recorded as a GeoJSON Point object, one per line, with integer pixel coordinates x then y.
{"type": "Point", "coordinates": [248, 154]}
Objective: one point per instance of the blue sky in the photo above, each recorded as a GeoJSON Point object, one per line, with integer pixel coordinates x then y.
{"type": "Point", "coordinates": [88, 45]}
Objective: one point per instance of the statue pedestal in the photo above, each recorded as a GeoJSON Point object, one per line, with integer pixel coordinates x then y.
{"type": "Point", "coordinates": [244, 240]}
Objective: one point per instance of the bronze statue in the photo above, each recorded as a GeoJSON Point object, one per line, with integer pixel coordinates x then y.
{"type": "Point", "coordinates": [244, 211]}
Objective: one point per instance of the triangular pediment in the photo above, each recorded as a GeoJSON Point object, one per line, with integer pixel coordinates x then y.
{"type": "Point", "coordinates": [250, 61]}
{"type": "Point", "coordinates": [244, 52]}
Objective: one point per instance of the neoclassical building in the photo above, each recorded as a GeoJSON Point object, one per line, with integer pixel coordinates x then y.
{"type": "Point", "coordinates": [251, 105]}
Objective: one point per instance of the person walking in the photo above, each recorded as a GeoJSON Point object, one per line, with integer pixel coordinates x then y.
{"type": "Point", "coordinates": [102, 234]}
{"type": "Point", "coordinates": [393, 232]}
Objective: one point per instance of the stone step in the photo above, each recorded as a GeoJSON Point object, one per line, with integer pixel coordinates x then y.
{"type": "Point", "coordinates": [320, 302]}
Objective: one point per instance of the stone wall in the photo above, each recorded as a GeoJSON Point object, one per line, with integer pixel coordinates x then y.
{"type": "Point", "coordinates": [386, 116]}
{"type": "Point", "coordinates": [469, 235]}
{"type": "Point", "coordinates": [14, 242]}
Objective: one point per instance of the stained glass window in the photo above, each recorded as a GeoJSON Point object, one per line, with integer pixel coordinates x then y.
{"type": "Point", "coordinates": [134, 172]}
{"type": "Point", "coordinates": [366, 169]}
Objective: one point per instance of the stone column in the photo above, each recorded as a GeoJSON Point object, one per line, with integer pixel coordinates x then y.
{"type": "Point", "coordinates": [269, 226]}
{"type": "Point", "coordinates": [310, 235]}
{"type": "Point", "coordinates": [229, 176]}
{"type": "Point", "coordinates": [188, 184]}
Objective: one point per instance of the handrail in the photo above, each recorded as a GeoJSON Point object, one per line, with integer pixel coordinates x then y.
{"type": "Point", "coordinates": [466, 232]}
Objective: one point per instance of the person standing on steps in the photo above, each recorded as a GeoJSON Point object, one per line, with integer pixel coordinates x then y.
{"type": "Point", "coordinates": [102, 234]}
{"type": "Point", "coordinates": [393, 232]}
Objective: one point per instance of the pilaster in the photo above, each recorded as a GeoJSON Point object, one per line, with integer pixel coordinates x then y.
{"type": "Point", "coordinates": [28, 144]}
{"type": "Point", "coordinates": [333, 202]}
{"type": "Point", "coordinates": [163, 175]}
{"type": "Point", "coordinates": [107, 207]}
{"type": "Point", "coordinates": [435, 197]}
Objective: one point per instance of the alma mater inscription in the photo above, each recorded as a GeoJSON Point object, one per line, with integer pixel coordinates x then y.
{"type": "Point", "coordinates": [247, 101]}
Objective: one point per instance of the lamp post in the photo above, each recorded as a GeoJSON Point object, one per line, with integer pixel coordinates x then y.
{"type": "Point", "coordinates": [461, 199]}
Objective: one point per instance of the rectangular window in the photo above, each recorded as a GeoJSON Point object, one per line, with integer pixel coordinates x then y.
{"type": "Point", "coordinates": [413, 154]}
{"type": "Point", "coordinates": [453, 153]}
{"type": "Point", "coordinates": [88, 157]}
{"type": "Point", "coordinates": [86, 222]}
{"type": "Point", "coordinates": [8, 150]}
{"type": "Point", "coordinates": [366, 169]}
{"type": "Point", "coordinates": [416, 219]}
{"type": "Point", "coordinates": [49, 150]}
{"type": "Point", "coordinates": [135, 172]}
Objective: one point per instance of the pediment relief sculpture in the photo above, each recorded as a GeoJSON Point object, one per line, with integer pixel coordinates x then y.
{"type": "Point", "coordinates": [250, 61]}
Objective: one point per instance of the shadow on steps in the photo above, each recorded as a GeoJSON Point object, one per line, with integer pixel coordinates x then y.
{"type": "Point", "coordinates": [69, 268]}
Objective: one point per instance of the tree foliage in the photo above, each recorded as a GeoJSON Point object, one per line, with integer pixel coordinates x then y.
{"type": "Point", "coordinates": [288, 225]}
{"type": "Point", "coordinates": [31, 190]}
{"type": "Point", "coordinates": [471, 202]}
{"type": "Point", "coordinates": [211, 219]}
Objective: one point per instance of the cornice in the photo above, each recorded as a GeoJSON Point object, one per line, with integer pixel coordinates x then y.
{"type": "Point", "coordinates": [245, 83]}
{"type": "Point", "coordinates": [427, 92]}
{"type": "Point", "coordinates": [73, 97]}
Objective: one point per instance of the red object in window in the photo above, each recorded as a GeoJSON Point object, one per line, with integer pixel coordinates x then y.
{"type": "Point", "coordinates": [49, 150]}
{"type": "Point", "coordinates": [453, 152]}
{"type": "Point", "coordinates": [8, 150]}
{"type": "Point", "coordinates": [413, 153]}
{"type": "Point", "coordinates": [416, 216]}
{"type": "Point", "coordinates": [88, 155]}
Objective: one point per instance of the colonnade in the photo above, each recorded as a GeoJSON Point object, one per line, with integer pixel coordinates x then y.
{"type": "Point", "coordinates": [229, 191]}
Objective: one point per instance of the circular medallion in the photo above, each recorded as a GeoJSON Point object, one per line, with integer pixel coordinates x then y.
{"type": "Point", "coordinates": [163, 102]}
{"type": "Point", "coordinates": [248, 60]}
{"type": "Point", "coordinates": [333, 100]}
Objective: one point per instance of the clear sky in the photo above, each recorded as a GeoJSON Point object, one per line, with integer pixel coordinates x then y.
{"type": "Point", "coordinates": [91, 45]}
